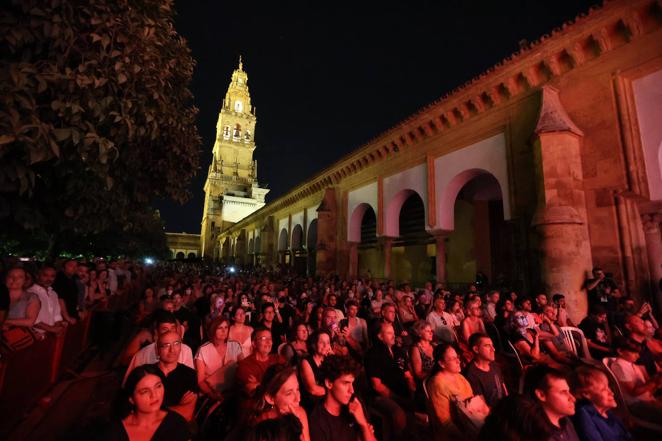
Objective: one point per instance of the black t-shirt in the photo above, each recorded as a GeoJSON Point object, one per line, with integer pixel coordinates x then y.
{"type": "Point", "coordinates": [192, 335]}
{"type": "Point", "coordinates": [389, 369]}
{"type": "Point", "coordinates": [67, 289]}
{"type": "Point", "coordinates": [597, 333]}
{"type": "Point", "coordinates": [327, 427]}
{"type": "Point", "coordinates": [172, 428]}
{"type": "Point", "coordinates": [178, 382]}
{"type": "Point", "coordinates": [488, 384]}
{"type": "Point", "coordinates": [287, 313]}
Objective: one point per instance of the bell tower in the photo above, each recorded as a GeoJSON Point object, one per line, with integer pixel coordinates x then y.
{"type": "Point", "coordinates": [231, 189]}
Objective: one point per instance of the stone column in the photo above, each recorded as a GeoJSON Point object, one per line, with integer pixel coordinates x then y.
{"type": "Point", "coordinates": [440, 237]}
{"type": "Point", "coordinates": [651, 224]}
{"type": "Point", "coordinates": [387, 245]}
{"type": "Point", "coordinates": [353, 259]}
{"type": "Point", "coordinates": [560, 218]}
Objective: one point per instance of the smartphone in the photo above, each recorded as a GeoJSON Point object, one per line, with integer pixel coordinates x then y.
{"type": "Point", "coordinates": [344, 323]}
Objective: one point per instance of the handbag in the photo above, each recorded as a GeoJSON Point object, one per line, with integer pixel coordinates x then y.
{"type": "Point", "coordinates": [469, 415]}
{"type": "Point", "coordinates": [17, 338]}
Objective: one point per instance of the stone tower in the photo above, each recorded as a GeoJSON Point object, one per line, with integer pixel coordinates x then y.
{"type": "Point", "coordinates": [231, 189]}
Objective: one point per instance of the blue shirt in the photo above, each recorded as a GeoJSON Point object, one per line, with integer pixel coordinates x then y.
{"type": "Point", "coordinates": [591, 426]}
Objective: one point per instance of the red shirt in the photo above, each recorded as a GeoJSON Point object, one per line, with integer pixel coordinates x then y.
{"type": "Point", "coordinates": [251, 366]}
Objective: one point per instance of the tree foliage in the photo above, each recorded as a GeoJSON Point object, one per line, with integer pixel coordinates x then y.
{"type": "Point", "coordinates": [96, 118]}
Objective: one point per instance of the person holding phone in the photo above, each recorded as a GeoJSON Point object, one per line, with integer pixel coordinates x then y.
{"type": "Point", "coordinates": [340, 416]}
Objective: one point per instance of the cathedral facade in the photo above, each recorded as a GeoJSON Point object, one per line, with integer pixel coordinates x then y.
{"type": "Point", "coordinates": [231, 189]}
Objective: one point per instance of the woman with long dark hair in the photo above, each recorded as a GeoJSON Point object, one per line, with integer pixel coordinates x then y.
{"type": "Point", "coordinates": [278, 395]}
{"type": "Point", "coordinates": [143, 416]}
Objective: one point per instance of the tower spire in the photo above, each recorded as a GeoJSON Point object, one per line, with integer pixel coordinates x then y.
{"type": "Point", "coordinates": [241, 64]}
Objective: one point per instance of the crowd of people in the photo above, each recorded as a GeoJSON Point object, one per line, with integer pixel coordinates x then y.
{"type": "Point", "coordinates": [221, 353]}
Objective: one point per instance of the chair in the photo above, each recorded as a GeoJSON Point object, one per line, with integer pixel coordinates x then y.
{"type": "Point", "coordinates": [425, 386]}
{"type": "Point", "coordinates": [495, 335]}
{"type": "Point", "coordinates": [569, 333]}
{"type": "Point", "coordinates": [620, 399]}
{"type": "Point", "coordinates": [512, 352]}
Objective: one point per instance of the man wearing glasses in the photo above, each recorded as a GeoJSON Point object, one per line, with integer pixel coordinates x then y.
{"type": "Point", "coordinates": [181, 385]}
{"type": "Point", "coordinates": [252, 368]}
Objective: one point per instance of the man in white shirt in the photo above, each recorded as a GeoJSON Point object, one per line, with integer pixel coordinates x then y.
{"type": "Point", "coordinates": [49, 318]}
{"type": "Point", "coordinates": [149, 354]}
{"type": "Point", "coordinates": [443, 323]}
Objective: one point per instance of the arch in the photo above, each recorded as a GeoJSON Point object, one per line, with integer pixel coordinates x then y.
{"type": "Point", "coordinates": [392, 212]}
{"type": "Point", "coordinates": [282, 240]}
{"type": "Point", "coordinates": [191, 256]}
{"type": "Point", "coordinates": [356, 219]}
{"type": "Point", "coordinates": [297, 237]}
{"type": "Point", "coordinates": [450, 193]}
{"type": "Point", "coordinates": [311, 237]}
{"type": "Point", "coordinates": [180, 255]}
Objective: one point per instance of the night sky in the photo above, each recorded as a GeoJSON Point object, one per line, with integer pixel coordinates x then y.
{"type": "Point", "coordinates": [327, 78]}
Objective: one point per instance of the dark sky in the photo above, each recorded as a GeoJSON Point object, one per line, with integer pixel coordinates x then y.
{"type": "Point", "coordinates": [327, 77]}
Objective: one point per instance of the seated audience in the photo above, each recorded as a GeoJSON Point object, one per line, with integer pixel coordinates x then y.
{"type": "Point", "coordinates": [144, 418]}
{"type": "Point", "coordinates": [147, 305]}
{"type": "Point", "coordinates": [549, 388]}
{"type": "Point", "coordinates": [50, 317]}
{"type": "Point", "coordinates": [447, 385]}
{"type": "Point", "coordinates": [270, 320]}
{"type": "Point", "coordinates": [358, 328]}
{"type": "Point", "coordinates": [310, 368]}
{"type": "Point", "coordinates": [340, 416]}
{"type": "Point", "coordinates": [490, 306]}
{"type": "Point", "coordinates": [240, 331]}
{"type": "Point", "coordinates": [556, 345]}
{"type": "Point", "coordinates": [650, 353]}
{"type": "Point", "coordinates": [279, 395]}
{"type": "Point", "coordinates": [216, 361]}
{"type": "Point", "coordinates": [527, 341]}
{"type": "Point", "coordinates": [406, 310]}
{"type": "Point", "coordinates": [389, 377]}
{"type": "Point", "coordinates": [596, 331]}
{"type": "Point", "coordinates": [472, 322]}
{"type": "Point", "coordinates": [164, 322]}
{"type": "Point", "coordinates": [66, 287]}
{"type": "Point", "coordinates": [252, 368]}
{"type": "Point", "coordinates": [594, 418]}
{"type": "Point", "coordinates": [562, 318]}
{"type": "Point", "coordinates": [297, 347]}
{"type": "Point", "coordinates": [483, 374]}
{"type": "Point", "coordinates": [638, 387]}
{"type": "Point", "coordinates": [181, 384]}
{"type": "Point", "coordinates": [421, 352]}
{"type": "Point", "coordinates": [443, 323]}
{"type": "Point", "coordinates": [23, 305]}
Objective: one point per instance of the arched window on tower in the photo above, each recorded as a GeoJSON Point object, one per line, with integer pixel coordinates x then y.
{"type": "Point", "coordinates": [247, 136]}
{"type": "Point", "coordinates": [237, 132]}
{"type": "Point", "coordinates": [226, 132]}
{"type": "Point", "coordinates": [238, 106]}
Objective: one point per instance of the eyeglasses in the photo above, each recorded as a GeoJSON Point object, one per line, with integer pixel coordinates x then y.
{"type": "Point", "coordinates": [174, 344]}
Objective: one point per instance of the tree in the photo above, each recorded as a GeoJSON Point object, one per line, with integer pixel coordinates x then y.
{"type": "Point", "coordinates": [96, 118]}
